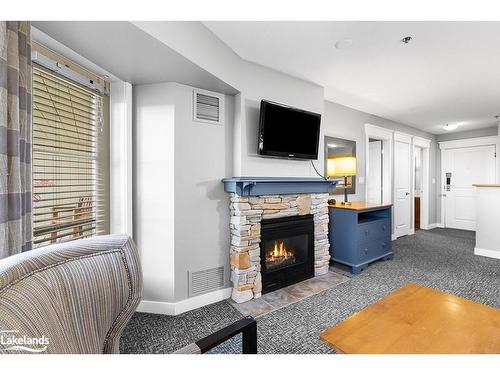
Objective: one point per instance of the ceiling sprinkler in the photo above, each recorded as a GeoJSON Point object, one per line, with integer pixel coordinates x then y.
{"type": "Point", "coordinates": [406, 39]}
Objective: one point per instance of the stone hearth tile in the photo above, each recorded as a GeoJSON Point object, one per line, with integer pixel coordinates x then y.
{"type": "Point", "coordinates": [334, 278]}
{"type": "Point", "coordinates": [315, 285]}
{"type": "Point", "coordinates": [254, 307]}
{"type": "Point", "coordinates": [305, 288]}
{"type": "Point", "coordinates": [279, 298]}
{"type": "Point", "coordinates": [318, 285]}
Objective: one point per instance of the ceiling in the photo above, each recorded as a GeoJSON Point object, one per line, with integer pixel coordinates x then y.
{"type": "Point", "coordinates": [125, 52]}
{"type": "Point", "coordinates": [449, 72]}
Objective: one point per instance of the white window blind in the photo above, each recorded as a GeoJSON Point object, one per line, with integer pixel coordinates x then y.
{"type": "Point", "coordinates": [69, 160]}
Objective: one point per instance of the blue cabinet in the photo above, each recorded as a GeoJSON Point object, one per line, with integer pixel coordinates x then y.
{"type": "Point", "coordinates": [360, 234]}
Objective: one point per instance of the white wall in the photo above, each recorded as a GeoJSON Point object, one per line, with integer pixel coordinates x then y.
{"type": "Point", "coordinates": [197, 43]}
{"type": "Point", "coordinates": [181, 214]}
{"type": "Point", "coordinates": [485, 132]}
{"type": "Point", "coordinates": [203, 156]}
{"type": "Point", "coordinates": [374, 178]}
{"type": "Point", "coordinates": [255, 82]}
{"type": "Point", "coordinates": [154, 200]}
{"type": "Point", "coordinates": [262, 83]}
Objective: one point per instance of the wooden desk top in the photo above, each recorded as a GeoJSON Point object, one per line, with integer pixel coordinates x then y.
{"type": "Point", "coordinates": [360, 206]}
{"type": "Point", "coordinates": [486, 185]}
{"type": "Point", "coordinates": [415, 319]}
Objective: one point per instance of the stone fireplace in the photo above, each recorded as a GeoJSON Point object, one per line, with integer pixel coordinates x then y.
{"type": "Point", "coordinates": [256, 203]}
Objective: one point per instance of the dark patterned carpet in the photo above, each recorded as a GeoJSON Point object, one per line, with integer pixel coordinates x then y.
{"type": "Point", "coordinates": [441, 258]}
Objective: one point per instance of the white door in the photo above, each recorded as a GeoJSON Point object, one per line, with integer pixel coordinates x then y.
{"type": "Point", "coordinates": [402, 184]}
{"type": "Point", "coordinates": [465, 166]}
{"type": "Point", "coordinates": [375, 172]}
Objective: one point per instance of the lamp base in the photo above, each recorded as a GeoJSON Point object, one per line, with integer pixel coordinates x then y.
{"type": "Point", "coordinates": [346, 201]}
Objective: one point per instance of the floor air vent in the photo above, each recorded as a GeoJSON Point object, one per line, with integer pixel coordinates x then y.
{"type": "Point", "coordinates": [208, 107]}
{"type": "Point", "coordinates": [204, 281]}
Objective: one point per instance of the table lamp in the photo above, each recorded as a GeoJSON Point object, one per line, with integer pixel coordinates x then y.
{"type": "Point", "coordinates": [342, 166]}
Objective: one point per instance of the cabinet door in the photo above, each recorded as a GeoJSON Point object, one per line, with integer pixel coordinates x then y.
{"type": "Point", "coordinates": [373, 230]}
{"type": "Point", "coordinates": [373, 249]}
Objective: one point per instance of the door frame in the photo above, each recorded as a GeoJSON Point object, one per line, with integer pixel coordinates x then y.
{"type": "Point", "coordinates": [425, 145]}
{"type": "Point", "coordinates": [461, 143]}
{"type": "Point", "coordinates": [386, 136]}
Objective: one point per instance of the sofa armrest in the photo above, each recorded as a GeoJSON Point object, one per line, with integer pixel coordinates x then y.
{"type": "Point", "coordinates": [247, 326]}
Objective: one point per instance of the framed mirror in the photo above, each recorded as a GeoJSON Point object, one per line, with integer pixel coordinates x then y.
{"type": "Point", "coordinates": [337, 147]}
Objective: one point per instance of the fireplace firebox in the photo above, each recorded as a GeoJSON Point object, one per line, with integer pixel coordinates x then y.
{"type": "Point", "coordinates": [286, 251]}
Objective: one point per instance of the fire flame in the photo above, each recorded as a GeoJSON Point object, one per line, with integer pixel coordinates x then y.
{"type": "Point", "coordinates": [279, 253]}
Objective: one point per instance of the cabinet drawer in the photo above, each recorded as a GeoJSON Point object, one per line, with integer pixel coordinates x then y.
{"type": "Point", "coordinates": [374, 229]}
{"type": "Point", "coordinates": [373, 249]}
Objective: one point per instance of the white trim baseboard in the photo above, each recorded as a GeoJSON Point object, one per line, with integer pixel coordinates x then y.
{"type": "Point", "coordinates": [176, 308]}
{"type": "Point", "coordinates": [440, 225]}
{"type": "Point", "coordinates": [432, 226]}
{"type": "Point", "coordinates": [487, 253]}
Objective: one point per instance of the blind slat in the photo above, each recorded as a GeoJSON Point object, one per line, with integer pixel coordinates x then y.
{"type": "Point", "coordinates": [81, 137]}
{"type": "Point", "coordinates": [84, 233]}
{"type": "Point", "coordinates": [47, 221]}
{"type": "Point", "coordinates": [40, 230]}
{"type": "Point", "coordinates": [40, 213]}
{"type": "Point", "coordinates": [76, 126]}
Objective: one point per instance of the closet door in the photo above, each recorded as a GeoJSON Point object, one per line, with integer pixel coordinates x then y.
{"type": "Point", "coordinates": [402, 184]}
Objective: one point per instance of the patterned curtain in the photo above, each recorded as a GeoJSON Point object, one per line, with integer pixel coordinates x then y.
{"type": "Point", "coordinates": [15, 138]}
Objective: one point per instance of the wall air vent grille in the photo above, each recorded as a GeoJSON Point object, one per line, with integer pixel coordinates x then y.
{"type": "Point", "coordinates": [208, 107]}
{"type": "Point", "coordinates": [204, 281]}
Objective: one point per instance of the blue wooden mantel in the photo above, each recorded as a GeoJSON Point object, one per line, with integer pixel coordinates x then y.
{"type": "Point", "coordinates": [254, 186]}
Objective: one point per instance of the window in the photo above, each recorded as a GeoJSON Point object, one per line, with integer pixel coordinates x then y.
{"type": "Point", "coordinates": [70, 160]}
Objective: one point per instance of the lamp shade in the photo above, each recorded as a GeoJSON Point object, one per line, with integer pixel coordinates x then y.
{"type": "Point", "coordinates": [341, 166]}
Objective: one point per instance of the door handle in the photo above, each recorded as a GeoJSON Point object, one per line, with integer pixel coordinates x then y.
{"type": "Point", "coordinates": [407, 193]}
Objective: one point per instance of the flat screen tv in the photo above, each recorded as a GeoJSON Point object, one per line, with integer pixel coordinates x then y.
{"type": "Point", "coordinates": [288, 132]}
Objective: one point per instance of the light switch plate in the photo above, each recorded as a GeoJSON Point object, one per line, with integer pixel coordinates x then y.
{"type": "Point", "coordinates": [433, 181]}
{"type": "Point", "coordinates": [361, 180]}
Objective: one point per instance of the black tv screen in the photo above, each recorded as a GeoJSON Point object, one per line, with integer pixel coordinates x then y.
{"type": "Point", "coordinates": [288, 132]}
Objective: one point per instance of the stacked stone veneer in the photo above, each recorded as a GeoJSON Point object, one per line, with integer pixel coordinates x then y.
{"type": "Point", "coordinates": [246, 216]}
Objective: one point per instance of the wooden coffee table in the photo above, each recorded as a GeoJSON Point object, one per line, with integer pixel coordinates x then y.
{"type": "Point", "coordinates": [416, 319]}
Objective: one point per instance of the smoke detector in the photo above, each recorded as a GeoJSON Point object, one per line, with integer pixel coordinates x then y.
{"type": "Point", "coordinates": [406, 40]}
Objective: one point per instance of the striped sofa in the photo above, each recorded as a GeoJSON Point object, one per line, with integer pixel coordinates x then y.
{"type": "Point", "coordinates": [74, 297]}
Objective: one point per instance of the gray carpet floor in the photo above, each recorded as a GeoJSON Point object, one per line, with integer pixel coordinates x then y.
{"type": "Point", "coordinates": [441, 258]}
